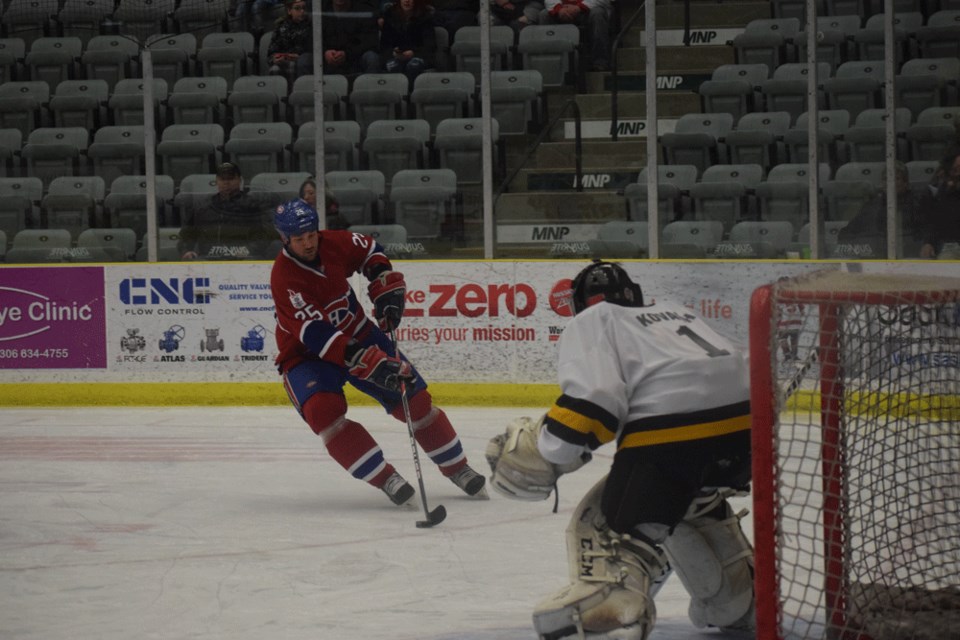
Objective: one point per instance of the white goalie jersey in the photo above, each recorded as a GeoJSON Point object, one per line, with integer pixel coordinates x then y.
{"type": "Point", "coordinates": [644, 376]}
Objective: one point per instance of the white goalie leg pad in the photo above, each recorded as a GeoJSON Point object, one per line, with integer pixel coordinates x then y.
{"type": "Point", "coordinates": [614, 579]}
{"type": "Point", "coordinates": [714, 561]}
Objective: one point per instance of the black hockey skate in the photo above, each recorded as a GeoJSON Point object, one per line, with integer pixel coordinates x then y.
{"type": "Point", "coordinates": [471, 482]}
{"type": "Point", "coordinates": [397, 489]}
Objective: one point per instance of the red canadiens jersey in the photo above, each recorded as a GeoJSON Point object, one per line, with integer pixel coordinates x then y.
{"type": "Point", "coordinates": [317, 310]}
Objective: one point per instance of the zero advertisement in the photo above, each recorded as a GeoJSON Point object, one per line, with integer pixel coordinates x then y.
{"type": "Point", "coordinates": [52, 318]}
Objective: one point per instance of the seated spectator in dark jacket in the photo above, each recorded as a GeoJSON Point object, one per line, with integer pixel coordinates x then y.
{"type": "Point", "coordinates": [350, 37]}
{"type": "Point", "coordinates": [516, 14]}
{"type": "Point", "coordinates": [942, 208]}
{"type": "Point", "coordinates": [408, 43]}
{"type": "Point", "coordinates": [865, 236]}
{"type": "Point", "coordinates": [228, 224]}
{"type": "Point", "coordinates": [593, 14]}
{"type": "Point", "coordinates": [291, 46]}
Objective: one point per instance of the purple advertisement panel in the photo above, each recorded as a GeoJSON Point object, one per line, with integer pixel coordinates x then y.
{"type": "Point", "coordinates": [52, 318]}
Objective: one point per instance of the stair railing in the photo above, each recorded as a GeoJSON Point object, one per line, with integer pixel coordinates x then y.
{"type": "Point", "coordinates": [569, 105]}
{"type": "Point", "coordinates": [614, 64]}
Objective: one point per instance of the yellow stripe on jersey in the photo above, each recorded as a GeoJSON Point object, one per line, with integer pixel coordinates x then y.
{"type": "Point", "coordinates": [581, 423]}
{"type": "Point", "coordinates": [685, 433]}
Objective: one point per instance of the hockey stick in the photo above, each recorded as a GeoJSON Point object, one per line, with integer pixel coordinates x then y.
{"type": "Point", "coordinates": [438, 515]}
{"type": "Point", "coordinates": [800, 373]}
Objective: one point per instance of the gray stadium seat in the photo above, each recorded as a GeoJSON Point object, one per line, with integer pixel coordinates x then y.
{"type": "Point", "coordinates": [23, 105]}
{"type": "Point", "coordinates": [119, 244]}
{"type": "Point", "coordinates": [466, 49]}
{"type": "Point", "coordinates": [786, 90]}
{"type": "Point", "coordinates": [360, 194]}
{"type": "Point", "coordinates": [834, 44]}
{"type": "Point", "coordinates": [173, 55]}
{"type": "Point", "coordinates": [673, 192]}
{"type": "Point", "coordinates": [734, 89]}
{"type": "Point", "coordinates": [198, 100]}
{"type": "Point", "coordinates": [11, 141]}
{"type": "Point", "coordinates": [756, 239]}
{"type": "Point", "coordinates": [258, 99]}
{"type": "Point", "coordinates": [758, 138]}
{"type": "Point", "coordinates": [856, 86]}
{"type": "Point", "coordinates": [392, 145]}
{"type": "Point", "coordinates": [53, 60]}
{"type": "Point", "coordinates": [80, 103]}
{"type": "Point", "coordinates": [378, 96]}
{"type": "Point", "coordinates": [126, 204]}
{"type": "Point", "coordinates": [785, 195]}
{"type": "Point", "coordinates": [190, 148]}
{"type": "Point", "coordinates": [933, 132]}
{"type": "Point", "coordinates": [832, 126]}
{"type": "Point", "coordinates": [19, 204]}
{"type": "Point", "coordinates": [227, 55]}
{"type": "Point", "coordinates": [74, 203]}
{"type": "Point", "coordinates": [940, 36]}
{"type": "Point", "coordinates": [302, 98]}
{"type": "Point", "coordinates": [341, 139]}
{"type": "Point", "coordinates": [866, 140]}
{"type": "Point", "coordinates": [424, 200]}
{"type": "Point", "coordinates": [517, 100]}
{"type": "Point", "coordinates": [259, 147]}
{"type": "Point", "coordinates": [12, 51]}
{"type": "Point", "coordinates": [618, 239]}
{"type": "Point", "coordinates": [117, 151]}
{"type": "Point", "coordinates": [82, 18]}
{"type": "Point", "coordinates": [126, 102]}
{"type": "Point", "coordinates": [29, 20]}
{"type": "Point", "coordinates": [724, 193]}
{"type": "Point", "coordinates": [440, 95]}
{"type": "Point", "coordinates": [696, 140]}
{"type": "Point", "coordinates": [690, 238]}
{"type": "Point", "coordinates": [551, 49]}
{"type": "Point", "coordinates": [458, 144]}
{"type": "Point", "coordinates": [51, 152]}
{"type": "Point", "coordinates": [144, 20]}
{"type": "Point", "coordinates": [110, 58]}
{"type": "Point", "coordinates": [927, 82]}
{"type": "Point", "coordinates": [769, 41]}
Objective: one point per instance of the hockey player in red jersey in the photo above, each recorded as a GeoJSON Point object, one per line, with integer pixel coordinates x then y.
{"type": "Point", "coordinates": [326, 340]}
{"type": "Point", "coordinates": [674, 396]}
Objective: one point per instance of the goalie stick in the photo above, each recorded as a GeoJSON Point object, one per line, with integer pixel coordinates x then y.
{"type": "Point", "coordinates": [438, 515]}
{"type": "Point", "coordinates": [799, 374]}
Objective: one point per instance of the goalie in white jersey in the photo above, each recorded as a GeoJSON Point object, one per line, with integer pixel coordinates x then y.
{"type": "Point", "coordinates": [674, 394]}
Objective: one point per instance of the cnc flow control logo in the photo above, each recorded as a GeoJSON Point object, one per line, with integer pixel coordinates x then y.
{"type": "Point", "coordinates": [156, 291]}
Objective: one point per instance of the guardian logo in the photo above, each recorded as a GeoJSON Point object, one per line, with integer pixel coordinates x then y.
{"type": "Point", "coordinates": [143, 291]}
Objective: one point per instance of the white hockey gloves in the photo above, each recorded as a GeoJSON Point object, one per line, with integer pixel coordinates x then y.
{"type": "Point", "coordinates": [519, 471]}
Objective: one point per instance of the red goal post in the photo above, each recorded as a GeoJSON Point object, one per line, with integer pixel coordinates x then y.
{"type": "Point", "coordinates": [855, 394]}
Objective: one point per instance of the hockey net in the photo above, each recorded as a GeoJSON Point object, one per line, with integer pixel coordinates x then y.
{"type": "Point", "coordinates": [856, 457]}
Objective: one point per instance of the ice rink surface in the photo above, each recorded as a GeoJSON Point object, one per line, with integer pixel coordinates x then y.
{"type": "Point", "coordinates": [235, 524]}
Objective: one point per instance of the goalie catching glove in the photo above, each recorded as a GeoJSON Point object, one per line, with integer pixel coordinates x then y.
{"type": "Point", "coordinates": [374, 365]}
{"type": "Point", "coordinates": [387, 291]}
{"type": "Point", "coordinates": [519, 471]}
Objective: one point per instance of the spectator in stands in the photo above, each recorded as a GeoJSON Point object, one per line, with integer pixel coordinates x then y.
{"type": "Point", "coordinates": [516, 14]}
{"type": "Point", "coordinates": [865, 236]}
{"type": "Point", "coordinates": [942, 208]}
{"type": "Point", "coordinates": [308, 193]}
{"type": "Point", "coordinates": [408, 43]}
{"type": "Point", "coordinates": [453, 14]}
{"type": "Point", "coordinates": [594, 14]}
{"type": "Point", "coordinates": [251, 13]}
{"type": "Point", "coordinates": [291, 48]}
{"type": "Point", "coordinates": [350, 36]}
{"type": "Point", "coordinates": [229, 224]}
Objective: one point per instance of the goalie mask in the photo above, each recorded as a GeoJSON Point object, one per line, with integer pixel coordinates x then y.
{"type": "Point", "coordinates": [605, 281]}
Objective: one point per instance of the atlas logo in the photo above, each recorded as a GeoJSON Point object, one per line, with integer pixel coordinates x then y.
{"type": "Point", "coordinates": [142, 291]}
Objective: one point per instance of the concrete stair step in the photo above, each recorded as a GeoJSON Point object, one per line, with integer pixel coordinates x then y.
{"type": "Point", "coordinates": [549, 207]}
{"type": "Point", "coordinates": [633, 58]}
{"type": "Point", "coordinates": [596, 153]}
{"type": "Point", "coordinates": [632, 104]}
{"type": "Point", "coordinates": [600, 178]}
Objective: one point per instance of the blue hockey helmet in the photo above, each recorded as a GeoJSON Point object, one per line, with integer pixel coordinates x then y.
{"type": "Point", "coordinates": [295, 217]}
{"type": "Point", "coordinates": [605, 282]}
